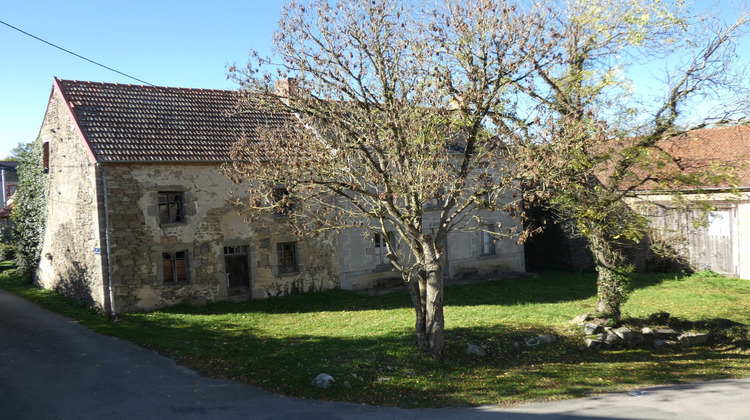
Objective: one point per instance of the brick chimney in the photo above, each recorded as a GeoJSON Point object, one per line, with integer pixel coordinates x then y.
{"type": "Point", "coordinates": [286, 87]}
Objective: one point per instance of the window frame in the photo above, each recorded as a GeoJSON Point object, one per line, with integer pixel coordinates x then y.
{"type": "Point", "coordinates": [287, 258]}
{"type": "Point", "coordinates": [45, 156]}
{"type": "Point", "coordinates": [172, 258]}
{"type": "Point", "coordinates": [236, 250]}
{"type": "Point", "coordinates": [278, 194]}
{"type": "Point", "coordinates": [380, 242]}
{"type": "Point", "coordinates": [165, 208]}
{"type": "Point", "coordinates": [487, 242]}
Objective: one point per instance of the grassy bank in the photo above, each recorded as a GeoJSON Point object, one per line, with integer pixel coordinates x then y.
{"type": "Point", "coordinates": [366, 342]}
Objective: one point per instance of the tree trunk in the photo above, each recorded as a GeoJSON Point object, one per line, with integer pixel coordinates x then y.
{"type": "Point", "coordinates": [434, 317]}
{"type": "Point", "coordinates": [426, 290]}
{"type": "Point", "coordinates": [609, 297]}
{"type": "Point", "coordinates": [610, 280]}
{"type": "Point", "coordinates": [418, 297]}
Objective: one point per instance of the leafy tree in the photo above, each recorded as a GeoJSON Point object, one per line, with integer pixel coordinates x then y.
{"type": "Point", "coordinates": [411, 112]}
{"type": "Point", "coordinates": [393, 101]}
{"type": "Point", "coordinates": [595, 143]}
{"type": "Point", "coordinates": [30, 206]}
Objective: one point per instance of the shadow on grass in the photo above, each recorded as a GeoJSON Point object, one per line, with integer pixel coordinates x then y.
{"type": "Point", "coordinates": [550, 287]}
{"type": "Point", "coordinates": [386, 369]}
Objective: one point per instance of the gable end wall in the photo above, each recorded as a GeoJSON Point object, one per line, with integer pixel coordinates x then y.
{"type": "Point", "coordinates": [73, 252]}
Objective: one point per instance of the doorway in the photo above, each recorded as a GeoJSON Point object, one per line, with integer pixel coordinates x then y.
{"type": "Point", "coordinates": [237, 265]}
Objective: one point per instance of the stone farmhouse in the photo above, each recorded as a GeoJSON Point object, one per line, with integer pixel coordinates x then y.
{"type": "Point", "coordinates": [720, 242]}
{"type": "Point", "coordinates": [140, 217]}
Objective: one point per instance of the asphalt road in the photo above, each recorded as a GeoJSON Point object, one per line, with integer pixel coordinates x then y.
{"type": "Point", "coordinates": [53, 368]}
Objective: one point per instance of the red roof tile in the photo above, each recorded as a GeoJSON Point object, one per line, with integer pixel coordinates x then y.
{"type": "Point", "coordinates": [6, 211]}
{"type": "Point", "coordinates": [129, 123]}
{"type": "Point", "coordinates": [710, 151]}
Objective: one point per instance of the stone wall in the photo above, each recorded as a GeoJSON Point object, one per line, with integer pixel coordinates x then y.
{"type": "Point", "coordinates": [138, 240]}
{"type": "Point", "coordinates": [73, 252]}
{"type": "Point", "coordinates": [360, 269]}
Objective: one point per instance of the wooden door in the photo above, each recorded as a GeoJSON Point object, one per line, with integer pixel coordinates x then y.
{"type": "Point", "coordinates": [237, 265]}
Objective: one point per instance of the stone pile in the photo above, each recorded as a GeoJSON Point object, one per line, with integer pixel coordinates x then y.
{"type": "Point", "coordinates": [598, 337]}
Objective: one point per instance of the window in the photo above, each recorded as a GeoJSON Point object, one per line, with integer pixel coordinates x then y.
{"type": "Point", "coordinates": [286, 254]}
{"type": "Point", "coordinates": [175, 266]}
{"type": "Point", "coordinates": [235, 250]}
{"type": "Point", "coordinates": [171, 207]}
{"type": "Point", "coordinates": [437, 201]}
{"type": "Point", "coordinates": [487, 241]}
{"type": "Point", "coordinates": [483, 200]}
{"type": "Point", "coordinates": [381, 248]}
{"type": "Point", "coordinates": [281, 195]}
{"type": "Point", "coordinates": [45, 156]}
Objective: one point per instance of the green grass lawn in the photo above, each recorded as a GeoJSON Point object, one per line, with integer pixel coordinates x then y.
{"type": "Point", "coordinates": [366, 342]}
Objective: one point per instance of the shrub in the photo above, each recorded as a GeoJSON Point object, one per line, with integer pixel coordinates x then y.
{"type": "Point", "coordinates": [30, 209]}
{"type": "Point", "coordinates": [7, 252]}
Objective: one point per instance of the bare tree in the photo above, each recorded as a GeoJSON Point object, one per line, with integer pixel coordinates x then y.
{"type": "Point", "coordinates": [409, 112]}
{"type": "Point", "coordinates": [595, 144]}
{"type": "Point", "coordinates": [393, 101]}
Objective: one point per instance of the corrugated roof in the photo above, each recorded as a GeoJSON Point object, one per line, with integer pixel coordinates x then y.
{"type": "Point", "coordinates": [130, 123]}
{"type": "Point", "coordinates": [710, 151]}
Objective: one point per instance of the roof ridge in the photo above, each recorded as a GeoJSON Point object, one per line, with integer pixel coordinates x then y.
{"type": "Point", "coordinates": [88, 82]}
{"type": "Point", "coordinates": [722, 127]}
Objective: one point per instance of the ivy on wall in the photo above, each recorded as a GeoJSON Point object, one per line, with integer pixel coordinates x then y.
{"type": "Point", "coordinates": [30, 206]}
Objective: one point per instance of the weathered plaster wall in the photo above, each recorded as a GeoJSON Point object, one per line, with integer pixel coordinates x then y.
{"type": "Point", "coordinates": [360, 270]}
{"type": "Point", "coordinates": [464, 249]}
{"type": "Point", "coordinates": [70, 262]}
{"type": "Point", "coordinates": [137, 239]}
{"type": "Point", "coordinates": [358, 265]}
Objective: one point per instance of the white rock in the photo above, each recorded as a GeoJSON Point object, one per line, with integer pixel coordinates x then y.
{"type": "Point", "coordinates": [592, 343]}
{"type": "Point", "coordinates": [580, 319]}
{"type": "Point", "coordinates": [590, 328]}
{"type": "Point", "coordinates": [693, 339]}
{"type": "Point", "coordinates": [547, 338]}
{"type": "Point", "coordinates": [474, 350]}
{"type": "Point", "coordinates": [625, 333]}
{"type": "Point", "coordinates": [323, 380]}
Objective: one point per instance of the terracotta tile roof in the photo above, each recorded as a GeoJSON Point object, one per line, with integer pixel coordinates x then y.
{"type": "Point", "coordinates": [6, 211]}
{"type": "Point", "coordinates": [709, 151]}
{"type": "Point", "coordinates": [129, 123]}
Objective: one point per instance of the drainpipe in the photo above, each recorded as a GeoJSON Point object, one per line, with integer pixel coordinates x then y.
{"type": "Point", "coordinates": [2, 180]}
{"type": "Point", "coordinates": [110, 291]}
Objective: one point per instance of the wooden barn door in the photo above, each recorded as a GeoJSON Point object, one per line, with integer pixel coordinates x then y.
{"type": "Point", "coordinates": [717, 247]}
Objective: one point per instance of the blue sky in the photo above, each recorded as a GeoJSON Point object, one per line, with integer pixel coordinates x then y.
{"type": "Point", "coordinates": [183, 43]}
